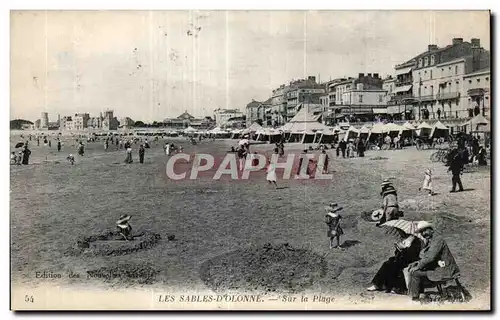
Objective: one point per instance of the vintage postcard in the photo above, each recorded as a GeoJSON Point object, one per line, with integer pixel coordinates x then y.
{"type": "Point", "coordinates": [250, 160]}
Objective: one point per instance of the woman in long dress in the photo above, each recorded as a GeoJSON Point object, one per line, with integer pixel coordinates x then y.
{"type": "Point", "coordinates": [271, 174]}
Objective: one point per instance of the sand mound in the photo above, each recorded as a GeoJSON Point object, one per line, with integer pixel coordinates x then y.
{"type": "Point", "coordinates": [110, 243]}
{"type": "Point", "coordinates": [264, 268]}
{"type": "Point", "coordinates": [128, 273]}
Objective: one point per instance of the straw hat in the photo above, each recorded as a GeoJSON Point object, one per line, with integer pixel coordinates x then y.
{"type": "Point", "coordinates": [333, 207]}
{"type": "Point", "coordinates": [388, 190]}
{"type": "Point", "coordinates": [123, 219]}
{"type": "Point", "coordinates": [386, 182]}
{"type": "Point", "coordinates": [422, 225]}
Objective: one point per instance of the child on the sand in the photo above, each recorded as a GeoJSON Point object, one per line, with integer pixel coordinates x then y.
{"type": "Point", "coordinates": [427, 183]}
{"type": "Point", "coordinates": [333, 219]}
{"type": "Point", "coordinates": [271, 174]}
{"type": "Point", "coordinates": [71, 159]}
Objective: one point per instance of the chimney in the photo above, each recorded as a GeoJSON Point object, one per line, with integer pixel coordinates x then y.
{"type": "Point", "coordinates": [375, 75]}
{"type": "Point", "coordinates": [456, 41]}
{"type": "Point", "coordinates": [361, 75]}
{"type": "Point", "coordinates": [432, 47]}
{"type": "Point", "coordinates": [475, 43]}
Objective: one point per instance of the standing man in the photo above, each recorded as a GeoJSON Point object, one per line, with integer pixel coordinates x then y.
{"type": "Point", "coordinates": [81, 149]}
{"type": "Point", "coordinates": [457, 166]}
{"type": "Point", "coordinates": [436, 261]}
{"type": "Point", "coordinates": [325, 164]}
{"type": "Point", "coordinates": [141, 153]}
{"type": "Point", "coordinates": [58, 145]}
{"type": "Point", "coordinates": [342, 146]}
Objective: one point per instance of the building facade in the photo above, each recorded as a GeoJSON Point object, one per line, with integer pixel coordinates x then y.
{"type": "Point", "coordinates": [67, 123]}
{"type": "Point", "coordinates": [303, 91]}
{"type": "Point", "coordinates": [44, 120]}
{"type": "Point", "coordinates": [359, 98]}
{"type": "Point", "coordinates": [279, 105]}
{"type": "Point", "coordinates": [260, 112]}
{"type": "Point", "coordinates": [437, 80]}
{"type": "Point", "coordinates": [477, 88]}
{"type": "Point", "coordinates": [222, 116]}
{"type": "Point", "coordinates": [94, 123]}
{"type": "Point", "coordinates": [80, 121]}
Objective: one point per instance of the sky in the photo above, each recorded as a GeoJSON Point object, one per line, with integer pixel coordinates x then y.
{"type": "Point", "coordinates": [152, 65]}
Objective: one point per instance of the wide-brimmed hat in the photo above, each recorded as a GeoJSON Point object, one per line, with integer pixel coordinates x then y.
{"type": "Point", "coordinates": [388, 190]}
{"type": "Point", "coordinates": [386, 182]}
{"type": "Point", "coordinates": [334, 207]}
{"type": "Point", "coordinates": [422, 225]}
{"type": "Point", "coordinates": [124, 218]}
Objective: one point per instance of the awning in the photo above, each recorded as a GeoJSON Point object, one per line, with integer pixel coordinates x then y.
{"type": "Point", "coordinates": [395, 109]}
{"type": "Point", "coordinates": [379, 110]}
{"type": "Point", "coordinates": [403, 88]}
{"type": "Point", "coordinates": [403, 71]}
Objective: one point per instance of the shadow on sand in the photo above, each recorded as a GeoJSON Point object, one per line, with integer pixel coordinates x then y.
{"type": "Point", "coordinates": [349, 243]}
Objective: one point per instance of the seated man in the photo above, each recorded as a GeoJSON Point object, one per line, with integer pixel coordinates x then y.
{"type": "Point", "coordinates": [436, 262]}
{"type": "Point", "coordinates": [124, 228]}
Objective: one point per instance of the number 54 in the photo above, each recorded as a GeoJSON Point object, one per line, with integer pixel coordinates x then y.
{"type": "Point", "coordinates": [28, 298]}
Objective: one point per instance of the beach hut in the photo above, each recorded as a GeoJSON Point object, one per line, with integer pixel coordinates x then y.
{"type": "Point", "coordinates": [439, 130]}
{"type": "Point", "coordinates": [254, 127]}
{"type": "Point", "coordinates": [478, 123]}
{"type": "Point", "coordinates": [377, 129]}
{"type": "Point", "coordinates": [303, 127]}
{"type": "Point", "coordinates": [351, 133]}
{"type": "Point", "coordinates": [392, 128]}
{"type": "Point", "coordinates": [423, 129]}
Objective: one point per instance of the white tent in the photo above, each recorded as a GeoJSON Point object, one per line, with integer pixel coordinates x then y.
{"type": "Point", "coordinates": [254, 127]}
{"type": "Point", "coordinates": [351, 133]}
{"type": "Point", "coordinates": [377, 128]}
{"type": "Point", "coordinates": [423, 128]}
{"type": "Point", "coordinates": [439, 127]}
{"type": "Point", "coordinates": [409, 126]}
{"type": "Point", "coordinates": [392, 127]}
{"type": "Point", "coordinates": [424, 125]}
{"type": "Point", "coordinates": [189, 130]}
{"type": "Point", "coordinates": [478, 123]}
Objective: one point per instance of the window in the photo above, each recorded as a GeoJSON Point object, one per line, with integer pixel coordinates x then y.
{"type": "Point", "coordinates": [432, 90]}
{"type": "Point", "coordinates": [431, 73]}
{"type": "Point", "coordinates": [420, 63]}
{"type": "Point", "coordinates": [380, 98]}
{"type": "Point", "coordinates": [456, 70]}
{"type": "Point", "coordinates": [360, 98]}
{"type": "Point", "coordinates": [478, 80]}
{"type": "Point", "coordinates": [426, 61]}
{"type": "Point", "coordinates": [486, 79]}
{"type": "Point", "coordinates": [470, 81]}
{"type": "Point", "coordinates": [433, 59]}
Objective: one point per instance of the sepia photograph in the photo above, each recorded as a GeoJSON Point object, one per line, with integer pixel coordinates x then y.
{"type": "Point", "coordinates": [250, 160]}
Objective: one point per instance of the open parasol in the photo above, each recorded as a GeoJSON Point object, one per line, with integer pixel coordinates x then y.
{"type": "Point", "coordinates": [404, 231]}
{"type": "Point", "coordinates": [19, 145]}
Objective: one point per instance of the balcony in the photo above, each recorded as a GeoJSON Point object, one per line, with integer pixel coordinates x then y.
{"type": "Point", "coordinates": [427, 98]}
{"type": "Point", "coordinates": [476, 92]}
{"type": "Point", "coordinates": [405, 82]}
{"type": "Point", "coordinates": [448, 96]}
{"type": "Point", "coordinates": [397, 99]}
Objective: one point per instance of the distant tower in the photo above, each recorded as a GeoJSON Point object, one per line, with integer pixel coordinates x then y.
{"type": "Point", "coordinates": [59, 120]}
{"type": "Point", "coordinates": [44, 120]}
